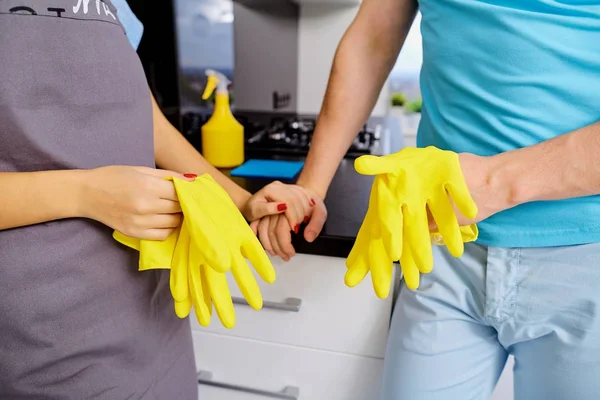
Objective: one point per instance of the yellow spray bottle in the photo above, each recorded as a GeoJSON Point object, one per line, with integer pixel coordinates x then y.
{"type": "Point", "coordinates": [222, 134]}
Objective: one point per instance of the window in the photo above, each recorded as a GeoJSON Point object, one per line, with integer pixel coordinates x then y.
{"type": "Point", "coordinates": [404, 84]}
{"type": "Point", "coordinates": [205, 41]}
{"type": "Point", "coordinates": [405, 75]}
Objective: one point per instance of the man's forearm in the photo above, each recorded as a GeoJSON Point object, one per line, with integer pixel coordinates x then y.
{"type": "Point", "coordinates": [564, 167]}
{"type": "Point", "coordinates": [29, 198]}
{"type": "Point", "coordinates": [363, 60]}
{"type": "Point", "coordinates": [173, 152]}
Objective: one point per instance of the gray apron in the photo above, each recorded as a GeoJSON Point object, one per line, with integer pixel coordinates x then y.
{"type": "Point", "coordinates": [77, 321]}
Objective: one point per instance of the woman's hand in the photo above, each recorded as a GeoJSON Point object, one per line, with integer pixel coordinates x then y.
{"type": "Point", "coordinates": [275, 231]}
{"type": "Point", "coordinates": [136, 201]}
{"type": "Point", "coordinates": [278, 198]}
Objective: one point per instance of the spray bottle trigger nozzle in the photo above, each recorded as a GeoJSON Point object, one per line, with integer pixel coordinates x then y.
{"type": "Point", "coordinates": [211, 84]}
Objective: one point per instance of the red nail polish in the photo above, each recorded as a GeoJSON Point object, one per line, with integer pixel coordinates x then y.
{"type": "Point", "coordinates": [190, 176]}
{"type": "Point", "coordinates": [281, 207]}
{"type": "Point", "coordinates": [305, 219]}
{"type": "Point", "coordinates": [312, 202]}
{"type": "Point", "coordinates": [296, 228]}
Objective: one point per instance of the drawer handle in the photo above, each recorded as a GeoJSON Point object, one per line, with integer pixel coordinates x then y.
{"type": "Point", "coordinates": [288, 393]}
{"type": "Point", "coordinates": [291, 304]}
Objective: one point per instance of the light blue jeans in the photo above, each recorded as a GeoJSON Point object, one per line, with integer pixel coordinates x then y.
{"type": "Point", "coordinates": [450, 339]}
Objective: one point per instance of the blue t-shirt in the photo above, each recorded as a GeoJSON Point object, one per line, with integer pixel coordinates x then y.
{"type": "Point", "coordinates": [499, 75]}
{"type": "Point", "coordinates": [133, 27]}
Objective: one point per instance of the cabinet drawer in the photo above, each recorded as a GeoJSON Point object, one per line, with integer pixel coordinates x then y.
{"type": "Point", "coordinates": [236, 369]}
{"type": "Point", "coordinates": [328, 315]}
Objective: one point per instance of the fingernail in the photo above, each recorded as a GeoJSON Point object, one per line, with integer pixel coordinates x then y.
{"type": "Point", "coordinates": [296, 228]}
{"type": "Point", "coordinates": [305, 219]}
{"type": "Point", "coordinates": [312, 202]}
{"type": "Point", "coordinates": [190, 176]}
{"type": "Point", "coordinates": [281, 207]}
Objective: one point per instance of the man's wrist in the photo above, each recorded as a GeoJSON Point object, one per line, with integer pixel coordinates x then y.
{"type": "Point", "coordinates": [503, 182]}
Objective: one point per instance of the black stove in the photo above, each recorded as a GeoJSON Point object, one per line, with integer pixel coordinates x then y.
{"type": "Point", "coordinates": [291, 135]}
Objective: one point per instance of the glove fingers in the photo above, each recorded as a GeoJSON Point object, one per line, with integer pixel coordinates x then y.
{"type": "Point", "coordinates": [375, 165]}
{"type": "Point", "coordinates": [255, 253]}
{"type": "Point", "coordinates": [416, 233]}
{"type": "Point", "coordinates": [357, 271]}
{"type": "Point", "coordinates": [410, 272]}
{"type": "Point", "coordinates": [204, 230]}
{"type": "Point", "coordinates": [445, 219]}
{"type": "Point", "coordinates": [381, 269]}
{"type": "Point", "coordinates": [221, 297]}
{"type": "Point", "coordinates": [389, 217]}
{"type": "Point", "coordinates": [246, 282]}
{"type": "Point", "coordinates": [178, 280]}
{"type": "Point", "coordinates": [359, 248]}
{"type": "Point", "coordinates": [197, 295]}
{"type": "Point", "coordinates": [205, 288]}
{"type": "Point", "coordinates": [183, 308]}
{"type": "Point", "coordinates": [461, 197]}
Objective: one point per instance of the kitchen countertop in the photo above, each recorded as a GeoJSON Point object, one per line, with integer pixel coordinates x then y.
{"type": "Point", "coordinates": [347, 200]}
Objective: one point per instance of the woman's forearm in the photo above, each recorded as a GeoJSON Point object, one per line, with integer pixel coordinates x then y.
{"type": "Point", "coordinates": [173, 152]}
{"type": "Point", "coordinates": [29, 198]}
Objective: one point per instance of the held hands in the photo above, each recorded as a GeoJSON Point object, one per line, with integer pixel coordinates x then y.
{"type": "Point", "coordinates": [408, 185]}
{"type": "Point", "coordinates": [301, 206]}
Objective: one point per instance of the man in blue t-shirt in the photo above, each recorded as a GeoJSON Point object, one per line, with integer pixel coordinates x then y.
{"type": "Point", "coordinates": [513, 86]}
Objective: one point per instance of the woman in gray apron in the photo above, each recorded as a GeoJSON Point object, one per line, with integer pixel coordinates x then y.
{"type": "Point", "coordinates": [77, 160]}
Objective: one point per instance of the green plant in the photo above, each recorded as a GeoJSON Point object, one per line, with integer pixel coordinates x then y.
{"type": "Point", "coordinates": [414, 106]}
{"type": "Point", "coordinates": [398, 100]}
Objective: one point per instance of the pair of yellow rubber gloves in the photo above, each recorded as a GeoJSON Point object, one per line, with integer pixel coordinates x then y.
{"type": "Point", "coordinates": [213, 240]}
{"type": "Point", "coordinates": [396, 226]}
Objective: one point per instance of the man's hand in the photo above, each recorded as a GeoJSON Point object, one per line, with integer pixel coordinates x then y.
{"type": "Point", "coordinates": [278, 198]}
{"type": "Point", "coordinates": [489, 197]}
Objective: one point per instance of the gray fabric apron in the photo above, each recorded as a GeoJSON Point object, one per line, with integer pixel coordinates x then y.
{"type": "Point", "coordinates": [77, 321]}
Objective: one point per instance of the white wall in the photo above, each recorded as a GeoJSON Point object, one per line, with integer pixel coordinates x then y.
{"type": "Point", "coordinates": [321, 28]}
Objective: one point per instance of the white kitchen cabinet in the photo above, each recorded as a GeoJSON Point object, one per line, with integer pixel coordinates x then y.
{"type": "Point", "coordinates": [314, 339]}
{"type": "Point", "coordinates": [241, 368]}
{"type": "Point", "coordinates": [326, 315]}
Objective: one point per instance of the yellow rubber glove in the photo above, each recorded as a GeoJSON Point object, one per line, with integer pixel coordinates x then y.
{"type": "Point", "coordinates": [204, 199]}
{"type": "Point", "coordinates": [369, 252]}
{"type": "Point", "coordinates": [195, 282]}
{"type": "Point", "coordinates": [411, 181]}
{"type": "Point", "coordinates": [396, 225]}
{"type": "Point", "coordinates": [153, 254]}
{"type": "Point", "coordinates": [213, 229]}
